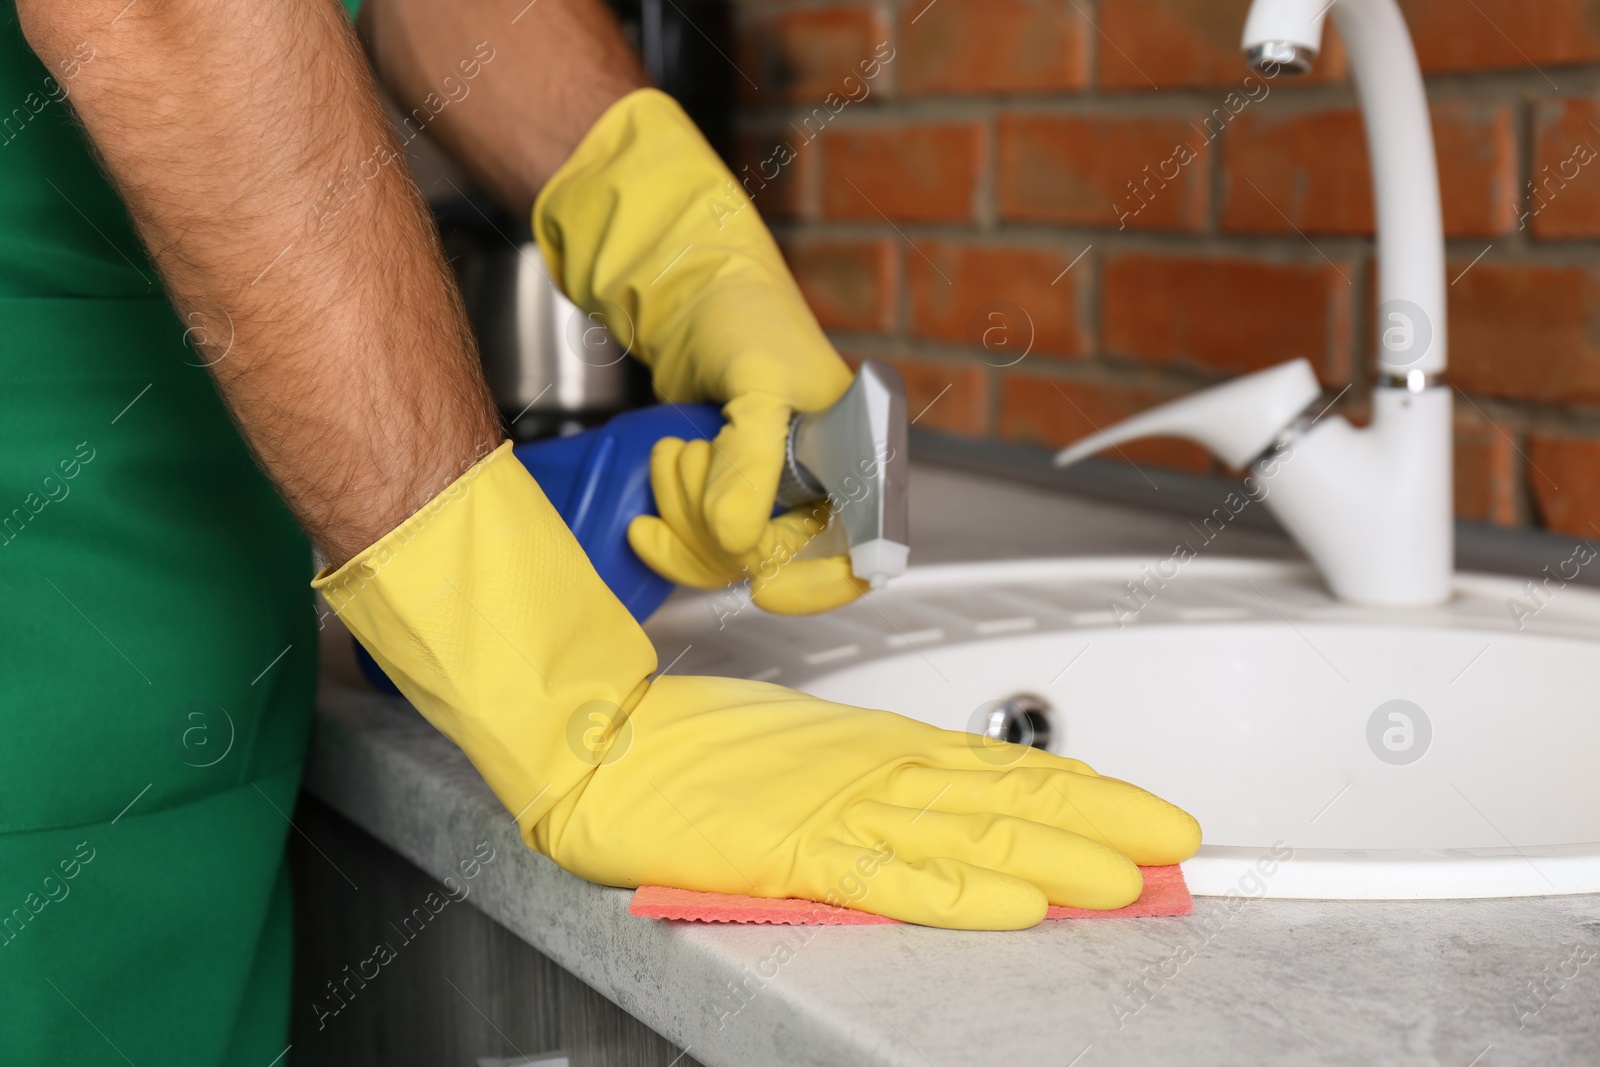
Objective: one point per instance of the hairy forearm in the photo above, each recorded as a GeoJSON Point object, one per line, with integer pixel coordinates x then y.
{"type": "Point", "coordinates": [247, 142]}
{"type": "Point", "coordinates": [557, 65]}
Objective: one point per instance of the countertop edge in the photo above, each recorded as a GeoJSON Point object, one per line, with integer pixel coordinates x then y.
{"type": "Point", "coordinates": [373, 758]}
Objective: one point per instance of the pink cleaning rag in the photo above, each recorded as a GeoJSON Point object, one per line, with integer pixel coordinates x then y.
{"type": "Point", "coordinates": [1165, 893]}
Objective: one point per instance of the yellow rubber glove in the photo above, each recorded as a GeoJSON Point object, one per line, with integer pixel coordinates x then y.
{"type": "Point", "coordinates": [681, 545]}
{"type": "Point", "coordinates": [486, 613]}
{"type": "Point", "coordinates": [645, 227]}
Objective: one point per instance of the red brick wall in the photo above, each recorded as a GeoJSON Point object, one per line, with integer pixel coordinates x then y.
{"type": "Point", "coordinates": [951, 180]}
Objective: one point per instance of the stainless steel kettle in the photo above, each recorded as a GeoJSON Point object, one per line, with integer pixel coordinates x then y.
{"type": "Point", "coordinates": [552, 368]}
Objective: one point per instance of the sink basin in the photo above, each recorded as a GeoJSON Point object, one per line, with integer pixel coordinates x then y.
{"type": "Point", "coordinates": [1330, 751]}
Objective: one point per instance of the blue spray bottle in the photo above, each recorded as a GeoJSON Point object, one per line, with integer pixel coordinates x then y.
{"type": "Point", "coordinates": [853, 453]}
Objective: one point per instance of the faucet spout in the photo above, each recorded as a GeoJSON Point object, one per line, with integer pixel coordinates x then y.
{"type": "Point", "coordinates": [1284, 37]}
{"type": "Point", "coordinates": [1412, 319]}
{"type": "Point", "coordinates": [1371, 507]}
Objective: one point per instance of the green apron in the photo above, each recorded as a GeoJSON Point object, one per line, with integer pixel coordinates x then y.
{"type": "Point", "coordinates": [157, 646]}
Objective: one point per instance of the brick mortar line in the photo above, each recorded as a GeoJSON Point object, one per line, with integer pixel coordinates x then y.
{"type": "Point", "coordinates": [1519, 418]}
{"type": "Point", "coordinates": [993, 383]}
{"type": "Point", "coordinates": [1482, 90]}
{"type": "Point", "coordinates": [1520, 413]}
{"type": "Point", "coordinates": [985, 192]}
{"type": "Point", "coordinates": [1513, 411]}
{"type": "Point", "coordinates": [1285, 248]}
{"type": "Point", "coordinates": [1525, 128]}
{"type": "Point", "coordinates": [888, 113]}
{"type": "Point", "coordinates": [1535, 415]}
{"type": "Point", "coordinates": [1215, 150]}
{"type": "Point", "coordinates": [1102, 367]}
{"type": "Point", "coordinates": [901, 294]}
{"type": "Point", "coordinates": [986, 217]}
{"type": "Point", "coordinates": [1362, 350]}
{"type": "Point", "coordinates": [1120, 371]}
{"type": "Point", "coordinates": [1092, 316]}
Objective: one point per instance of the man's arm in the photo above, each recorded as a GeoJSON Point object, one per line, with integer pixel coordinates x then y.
{"type": "Point", "coordinates": [557, 66]}
{"type": "Point", "coordinates": [247, 142]}
{"type": "Point", "coordinates": [651, 232]}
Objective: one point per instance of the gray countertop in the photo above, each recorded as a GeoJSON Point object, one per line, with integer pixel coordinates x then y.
{"type": "Point", "coordinates": [1459, 984]}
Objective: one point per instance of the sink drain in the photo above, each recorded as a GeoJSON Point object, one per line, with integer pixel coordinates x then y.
{"type": "Point", "coordinates": [1023, 719]}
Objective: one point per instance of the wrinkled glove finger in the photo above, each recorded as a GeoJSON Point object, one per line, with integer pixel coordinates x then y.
{"type": "Point", "coordinates": [673, 502]}
{"type": "Point", "coordinates": [693, 472]}
{"type": "Point", "coordinates": [931, 891]}
{"type": "Point", "coordinates": [675, 559]}
{"type": "Point", "coordinates": [806, 586]}
{"type": "Point", "coordinates": [746, 462]}
{"type": "Point", "coordinates": [1070, 869]}
{"type": "Point", "coordinates": [1137, 823]}
{"type": "Point", "coordinates": [812, 534]}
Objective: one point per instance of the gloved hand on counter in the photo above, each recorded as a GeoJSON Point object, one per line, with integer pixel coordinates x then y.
{"type": "Point", "coordinates": [647, 228]}
{"type": "Point", "coordinates": [485, 611]}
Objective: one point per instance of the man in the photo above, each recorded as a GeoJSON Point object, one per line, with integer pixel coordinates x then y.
{"type": "Point", "coordinates": [159, 643]}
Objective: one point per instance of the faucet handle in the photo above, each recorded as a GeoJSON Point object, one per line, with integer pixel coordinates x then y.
{"type": "Point", "coordinates": [1237, 420]}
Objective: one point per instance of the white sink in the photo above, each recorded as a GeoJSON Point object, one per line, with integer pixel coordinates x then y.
{"type": "Point", "coordinates": [1399, 754]}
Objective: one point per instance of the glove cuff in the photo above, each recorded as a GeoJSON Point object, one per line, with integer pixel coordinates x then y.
{"type": "Point", "coordinates": [485, 612]}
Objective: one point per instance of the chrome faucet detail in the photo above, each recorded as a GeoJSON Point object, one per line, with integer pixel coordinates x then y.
{"type": "Point", "coordinates": [1371, 507]}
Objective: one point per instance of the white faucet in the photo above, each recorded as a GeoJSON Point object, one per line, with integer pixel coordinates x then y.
{"type": "Point", "coordinates": [1370, 507]}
